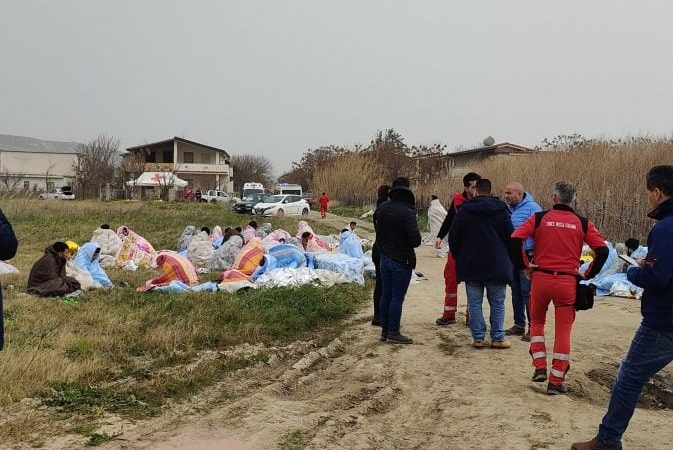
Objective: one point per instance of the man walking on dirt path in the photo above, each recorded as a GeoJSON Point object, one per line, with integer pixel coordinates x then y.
{"type": "Point", "coordinates": [8, 247]}
{"type": "Point", "coordinates": [397, 235]}
{"type": "Point", "coordinates": [450, 283]}
{"type": "Point", "coordinates": [480, 242]}
{"type": "Point", "coordinates": [324, 203]}
{"type": "Point", "coordinates": [652, 346]}
{"type": "Point", "coordinates": [559, 235]}
{"type": "Point", "coordinates": [522, 206]}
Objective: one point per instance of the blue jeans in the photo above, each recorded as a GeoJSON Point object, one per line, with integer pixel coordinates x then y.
{"type": "Point", "coordinates": [650, 352]}
{"type": "Point", "coordinates": [520, 298]}
{"type": "Point", "coordinates": [395, 280]}
{"type": "Point", "coordinates": [495, 292]}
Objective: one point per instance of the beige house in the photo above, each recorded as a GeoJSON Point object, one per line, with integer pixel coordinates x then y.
{"type": "Point", "coordinates": [29, 163]}
{"type": "Point", "coordinates": [201, 166]}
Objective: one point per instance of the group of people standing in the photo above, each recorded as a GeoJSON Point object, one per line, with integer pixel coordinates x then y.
{"type": "Point", "coordinates": [493, 244]}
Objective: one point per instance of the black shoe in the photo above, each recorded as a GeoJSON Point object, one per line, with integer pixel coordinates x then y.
{"type": "Point", "coordinates": [383, 338]}
{"type": "Point", "coordinates": [556, 389]}
{"type": "Point", "coordinates": [399, 339]}
{"type": "Point", "coordinates": [442, 321]}
{"type": "Point", "coordinates": [376, 322]}
{"type": "Point", "coordinates": [540, 375]}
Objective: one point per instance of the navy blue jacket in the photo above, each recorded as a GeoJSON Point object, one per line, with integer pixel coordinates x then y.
{"type": "Point", "coordinates": [480, 241]}
{"type": "Point", "coordinates": [656, 276]}
{"type": "Point", "coordinates": [397, 233]}
{"type": "Point", "coordinates": [8, 246]}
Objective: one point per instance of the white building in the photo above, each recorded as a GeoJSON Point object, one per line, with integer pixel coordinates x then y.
{"type": "Point", "coordinates": [201, 166]}
{"type": "Point", "coordinates": [29, 163]}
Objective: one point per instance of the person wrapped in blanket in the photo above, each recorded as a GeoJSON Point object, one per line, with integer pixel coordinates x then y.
{"type": "Point", "coordinates": [173, 268]}
{"type": "Point", "coordinates": [48, 278]}
{"type": "Point", "coordinates": [88, 258]}
{"type": "Point", "coordinates": [8, 247]}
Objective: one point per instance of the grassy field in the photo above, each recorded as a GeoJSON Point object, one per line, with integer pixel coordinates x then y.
{"type": "Point", "coordinates": [109, 351]}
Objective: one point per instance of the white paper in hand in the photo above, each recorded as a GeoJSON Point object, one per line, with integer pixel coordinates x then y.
{"type": "Point", "coordinates": [629, 260]}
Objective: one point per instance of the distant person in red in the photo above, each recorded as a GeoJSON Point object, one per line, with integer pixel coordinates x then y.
{"type": "Point", "coordinates": [324, 202]}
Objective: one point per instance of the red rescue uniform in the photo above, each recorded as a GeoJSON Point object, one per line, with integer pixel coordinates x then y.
{"type": "Point", "coordinates": [324, 202]}
{"type": "Point", "coordinates": [558, 247]}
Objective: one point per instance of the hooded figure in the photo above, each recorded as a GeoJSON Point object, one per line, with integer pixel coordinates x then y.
{"type": "Point", "coordinates": [47, 277]}
{"type": "Point", "coordinates": [227, 253]}
{"type": "Point", "coordinates": [139, 242]}
{"type": "Point", "coordinates": [110, 244]}
{"type": "Point", "coordinates": [8, 247]}
{"type": "Point", "coordinates": [349, 244]}
{"type": "Point", "coordinates": [185, 238]}
{"type": "Point", "coordinates": [88, 258]}
{"type": "Point", "coordinates": [264, 230]}
{"type": "Point", "coordinates": [173, 268]}
{"type": "Point", "coordinates": [436, 216]}
{"type": "Point", "coordinates": [216, 237]}
{"type": "Point", "coordinates": [201, 252]}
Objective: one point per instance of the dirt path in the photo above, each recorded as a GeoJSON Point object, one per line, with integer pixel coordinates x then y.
{"type": "Point", "coordinates": [439, 393]}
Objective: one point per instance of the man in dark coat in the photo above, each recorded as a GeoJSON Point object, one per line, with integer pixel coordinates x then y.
{"type": "Point", "coordinates": [47, 277]}
{"type": "Point", "coordinates": [480, 242]}
{"type": "Point", "coordinates": [8, 246]}
{"type": "Point", "coordinates": [397, 235]}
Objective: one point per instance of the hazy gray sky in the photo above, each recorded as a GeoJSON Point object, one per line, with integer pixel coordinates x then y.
{"type": "Point", "coordinates": [279, 77]}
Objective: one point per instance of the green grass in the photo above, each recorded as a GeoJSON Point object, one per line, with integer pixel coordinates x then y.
{"type": "Point", "coordinates": [75, 355]}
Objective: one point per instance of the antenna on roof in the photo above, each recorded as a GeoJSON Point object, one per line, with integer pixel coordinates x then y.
{"type": "Point", "coordinates": [489, 141]}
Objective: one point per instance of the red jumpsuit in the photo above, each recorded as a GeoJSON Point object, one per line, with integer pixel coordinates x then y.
{"type": "Point", "coordinates": [558, 247]}
{"type": "Point", "coordinates": [324, 201]}
{"type": "Point", "coordinates": [450, 279]}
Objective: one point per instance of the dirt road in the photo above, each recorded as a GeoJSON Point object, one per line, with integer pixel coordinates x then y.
{"type": "Point", "coordinates": [439, 393]}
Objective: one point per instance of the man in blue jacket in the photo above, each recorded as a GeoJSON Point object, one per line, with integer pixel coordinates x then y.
{"type": "Point", "coordinates": [8, 246]}
{"type": "Point", "coordinates": [522, 206]}
{"type": "Point", "coordinates": [480, 242]}
{"type": "Point", "coordinates": [652, 346]}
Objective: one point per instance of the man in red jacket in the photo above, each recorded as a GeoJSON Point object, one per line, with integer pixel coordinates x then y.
{"type": "Point", "coordinates": [559, 235]}
{"type": "Point", "coordinates": [450, 282]}
{"type": "Point", "coordinates": [324, 201]}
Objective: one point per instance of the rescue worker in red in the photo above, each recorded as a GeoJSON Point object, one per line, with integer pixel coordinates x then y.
{"type": "Point", "coordinates": [559, 236]}
{"type": "Point", "coordinates": [324, 202]}
{"type": "Point", "coordinates": [450, 280]}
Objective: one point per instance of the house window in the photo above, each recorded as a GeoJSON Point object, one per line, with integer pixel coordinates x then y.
{"type": "Point", "coordinates": [188, 158]}
{"type": "Point", "coordinates": [152, 157]}
{"type": "Point", "coordinates": [167, 156]}
{"type": "Point", "coordinates": [26, 185]}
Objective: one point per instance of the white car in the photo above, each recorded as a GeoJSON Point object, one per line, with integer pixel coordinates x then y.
{"type": "Point", "coordinates": [216, 197]}
{"type": "Point", "coordinates": [58, 194]}
{"type": "Point", "coordinates": [281, 205]}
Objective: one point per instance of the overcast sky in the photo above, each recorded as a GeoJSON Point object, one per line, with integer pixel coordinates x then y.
{"type": "Point", "coordinates": [280, 77]}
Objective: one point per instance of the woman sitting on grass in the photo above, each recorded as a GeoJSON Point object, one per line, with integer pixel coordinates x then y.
{"type": "Point", "coordinates": [47, 277]}
{"type": "Point", "coordinates": [88, 258]}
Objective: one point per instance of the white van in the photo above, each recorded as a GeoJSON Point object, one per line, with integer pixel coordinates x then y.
{"type": "Point", "coordinates": [288, 189]}
{"type": "Point", "coordinates": [252, 188]}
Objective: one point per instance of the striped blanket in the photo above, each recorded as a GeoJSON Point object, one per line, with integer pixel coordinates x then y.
{"type": "Point", "coordinates": [250, 256]}
{"type": "Point", "coordinates": [174, 268]}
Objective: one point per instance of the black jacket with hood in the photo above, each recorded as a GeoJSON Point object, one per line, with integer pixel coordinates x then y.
{"type": "Point", "coordinates": [480, 241]}
{"type": "Point", "coordinates": [8, 246]}
{"type": "Point", "coordinates": [397, 231]}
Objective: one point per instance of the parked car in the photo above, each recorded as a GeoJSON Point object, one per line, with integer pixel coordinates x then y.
{"type": "Point", "coordinates": [310, 198]}
{"type": "Point", "coordinates": [248, 202]}
{"type": "Point", "coordinates": [215, 197]}
{"type": "Point", "coordinates": [281, 205]}
{"type": "Point", "coordinates": [62, 193]}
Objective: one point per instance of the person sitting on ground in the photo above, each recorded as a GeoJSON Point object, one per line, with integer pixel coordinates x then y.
{"type": "Point", "coordinates": [634, 249]}
{"type": "Point", "coordinates": [207, 230]}
{"type": "Point", "coordinates": [47, 277]}
{"type": "Point", "coordinates": [305, 238]}
{"type": "Point", "coordinates": [352, 226]}
{"type": "Point", "coordinates": [105, 227]}
{"type": "Point", "coordinates": [250, 231]}
{"type": "Point", "coordinates": [88, 258]}
{"type": "Point", "coordinates": [229, 232]}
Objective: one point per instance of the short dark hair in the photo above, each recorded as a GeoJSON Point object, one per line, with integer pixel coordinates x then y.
{"type": "Point", "coordinates": [206, 229]}
{"type": "Point", "coordinates": [661, 177]}
{"type": "Point", "coordinates": [323, 193]}
{"type": "Point", "coordinates": [344, 230]}
{"type": "Point", "coordinates": [632, 243]}
{"type": "Point", "coordinates": [434, 197]}
{"type": "Point", "coordinates": [60, 246]}
{"type": "Point", "coordinates": [352, 222]}
{"type": "Point", "coordinates": [239, 229]}
{"type": "Point", "coordinates": [484, 186]}
{"type": "Point", "coordinates": [401, 181]}
{"type": "Point", "coordinates": [382, 194]}
{"type": "Point", "coordinates": [105, 227]}
{"type": "Point", "coordinates": [470, 177]}
{"type": "Point", "coordinates": [253, 223]}
{"type": "Point", "coordinates": [306, 235]}
{"type": "Point", "coordinates": [227, 230]}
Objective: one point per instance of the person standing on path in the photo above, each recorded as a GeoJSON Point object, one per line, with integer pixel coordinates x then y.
{"type": "Point", "coordinates": [324, 203]}
{"type": "Point", "coordinates": [397, 235]}
{"type": "Point", "coordinates": [559, 235]}
{"type": "Point", "coordinates": [8, 247]}
{"type": "Point", "coordinates": [652, 346]}
{"type": "Point", "coordinates": [450, 283]}
{"type": "Point", "coordinates": [480, 242]}
{"type": "Point", "coordinates": [376, 258]}
{"type": "Point", "coordinates": [522, 206]}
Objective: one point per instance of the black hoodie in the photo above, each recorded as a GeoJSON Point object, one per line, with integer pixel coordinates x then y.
{"type": "Point", "coordinates": [480, 241]}
{"type": "Point", "coordinates": [8, 246]}
{"type": "Point", "coordinates": [397, 231]}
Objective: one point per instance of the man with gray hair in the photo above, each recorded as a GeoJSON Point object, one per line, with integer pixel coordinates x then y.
{"type": "Point", "coordinates": [559, 235]}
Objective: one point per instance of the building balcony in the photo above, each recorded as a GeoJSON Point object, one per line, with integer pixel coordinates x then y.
{"type": "Point", "coordinates": [221, 169]}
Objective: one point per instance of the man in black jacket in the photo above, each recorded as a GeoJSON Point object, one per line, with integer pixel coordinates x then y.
{"type": "Point", "coordinates": [480, 242]}
{"type": "Point", "coordinates": [397, 236]}
{"type": "Point", "coordinates": [8, 246]}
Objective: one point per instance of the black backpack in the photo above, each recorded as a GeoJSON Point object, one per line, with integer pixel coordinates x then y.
{"type": "Point", "coordinates": [584, 296]}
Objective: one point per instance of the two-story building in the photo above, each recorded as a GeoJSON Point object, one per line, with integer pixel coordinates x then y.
{"type": "Point", "coordinates": [201, 166]}
{"type": "Point", "coordinates": [30, 163]}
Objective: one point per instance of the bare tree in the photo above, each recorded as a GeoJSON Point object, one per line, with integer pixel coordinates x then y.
{"type": "Point", "coordinates": [166, 180]}
{"type": "Point", "coordinates": [11, 180]}
{"type": "Point", "coordinates": [251, 168]}
{"type": "Point", "coordinates": [133, 165]}
{"type": "Point", "coordinates": [47, 174]}
{"type": "Point", "coordinates": [95, 165]}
